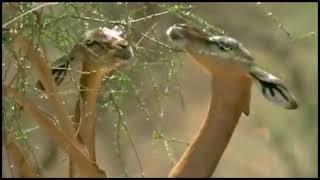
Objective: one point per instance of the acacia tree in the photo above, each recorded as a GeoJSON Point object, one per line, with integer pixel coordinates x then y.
{"type": "Point", "coordinates": [36, 34]}
{"type": "Point", "coordinates": [31, 27]}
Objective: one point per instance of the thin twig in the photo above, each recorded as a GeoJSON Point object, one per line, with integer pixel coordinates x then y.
{"type": "Point", "coordinates": [124, 125]}
{"type": "Point", "coordinates": [28, 12]}
{"type": "Point", "coordinates": [174, 140]}
{"type": "Point", "coordinates": [118, 125]}
{"type": "Point", "coordinates": [137, 95]}
{"type": "Point", "coordinates": [173, 160]}
{"type": "Point", "coordinates": [142, 37]}
{"type": "Point", "coordinates": [276, 21]}
{"type": "Point", "coordinates": [160, 43]}
{"type": "Point", "coordinates": [149, 17]}
{"type": "Point", "coordinates": [97, 20]}
{"type": "Point", "coordinates": [39, 26]}
{"type": "Point", "coordinates": [134, 148]}
{"type": "Point", "coordinates": [120, 22]}
{"type": "Point", "coordinates": [159, 136]}
{"type": "Point", "coordinates": [55, 20]}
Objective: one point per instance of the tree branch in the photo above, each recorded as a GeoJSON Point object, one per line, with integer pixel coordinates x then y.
{"type": "Point", "coordinates": [43, 73]}
{"type": "Point", "coordinates": [28, 12]}
{"type": "Point", "coordinates": [20, 161]}
{"type": "Point", "coordinates": [76, 152]}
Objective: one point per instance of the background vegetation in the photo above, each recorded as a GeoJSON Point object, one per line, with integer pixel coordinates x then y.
{"type": "Point", "coordinates": [149, 111]}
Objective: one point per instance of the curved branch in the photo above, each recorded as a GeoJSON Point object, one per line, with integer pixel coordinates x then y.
{"type": "Point", "coordinates": [43, 73]}
{"type": "Point", "coordinates": [76, 152]}
{"type": "Point", "coordinates": [25, 168]}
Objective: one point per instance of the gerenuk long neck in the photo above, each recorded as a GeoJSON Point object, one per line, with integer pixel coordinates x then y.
{"type": "Point", "coordinates": [230, 97]}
